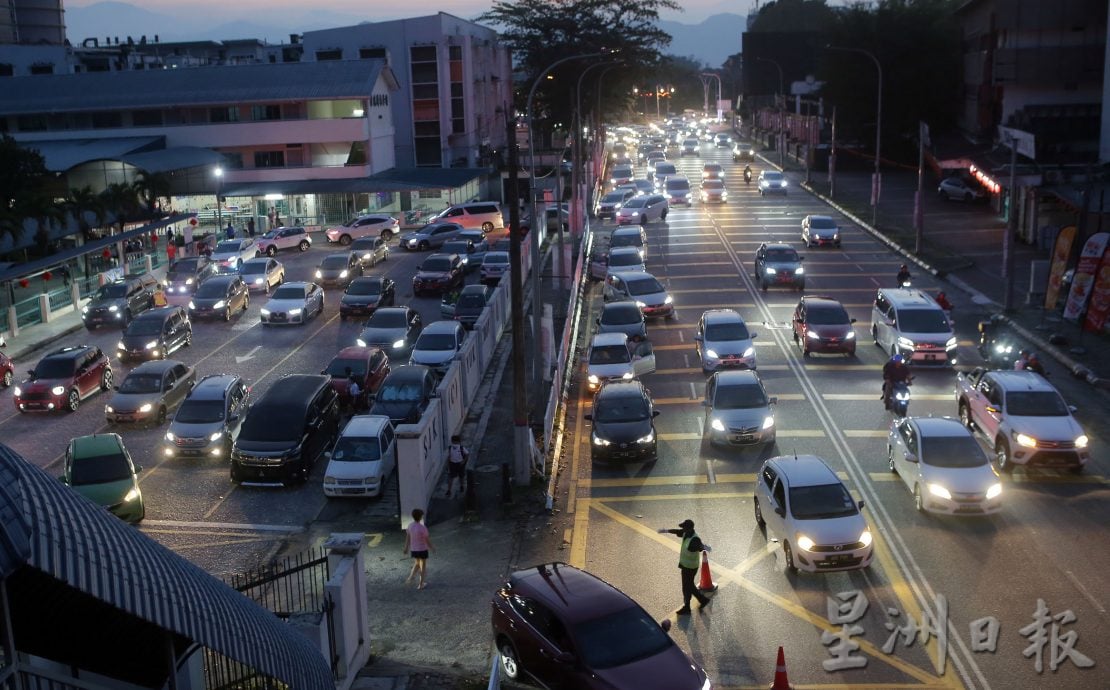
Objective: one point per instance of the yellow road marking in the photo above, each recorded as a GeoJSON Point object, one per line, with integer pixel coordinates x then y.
{"type": "Point", "coordinates": [865, 433]}
{"type": "Point", "coordinates": [578, 540]}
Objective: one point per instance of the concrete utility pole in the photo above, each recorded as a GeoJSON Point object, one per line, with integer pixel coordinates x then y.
{"type": "Point", "coordinates": [832, 156]}
{"type": "Point", "coordinates": [919, 195]}
{"type": "Point", "coordinates": [522, 435]}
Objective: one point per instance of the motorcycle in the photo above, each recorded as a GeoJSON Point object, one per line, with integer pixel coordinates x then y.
{"type": "Point", "coordinates": [898, 399]}
{"type": "Point", "coordinates": [747, 175]}
{"type": "Point", "coordinates": [996, 348]}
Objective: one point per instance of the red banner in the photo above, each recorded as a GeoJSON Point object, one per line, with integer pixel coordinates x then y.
{"type": "Point", "coordinates": [1099, 307]}
{"type": "Point", "coordinates": [1081, 284]}
{"type": "Point", "coordinates": [1060, 253]}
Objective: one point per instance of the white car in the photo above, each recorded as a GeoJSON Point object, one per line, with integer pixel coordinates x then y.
{"type": "Point", "coordinates": [955, 189]}
{"type": "Point", "coordinates": [943, 466]}
{"type": "Point", "coordinates": [230, 254]}
{"type": "Point", "coordinates": [723, 340]}
{"type": "Point", "coordinates": [641, 287]}
{"type": "Point", "coordinates": [772, 182]}
{"type": "Point", "coordinates": [613, 357]}
{"type": "Point", "coordinates": [639, 210]}
{"type": "Point", "coordinates": [364, 456]}
{"type": "Point", "coordinates": [803, 505]}
{"type": "Point", "coordinates": [624, 259]}
{"type": "Point", "coordinates": [494, 265]}
{"type": "Point", "coordinates": [262, 273]}
{"type": "Point", "coordinates": [438, 345]}
{"type": "Point", "coordinates": [738, 410]}
{"type": "Point", "coordinates": [293, 303]}
{"type": "Point", "coordinates": [374, 225]}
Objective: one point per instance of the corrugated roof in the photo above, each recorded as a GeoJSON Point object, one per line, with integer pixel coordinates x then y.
{"type": "Point", "coordinates": [62, 154]}
{"type": "Point", "coordinates": [90, 550]}
{"type": "Point", "coordinates": [131, 89]}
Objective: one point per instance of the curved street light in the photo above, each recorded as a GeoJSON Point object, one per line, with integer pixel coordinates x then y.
{"type": "Point", "coordinates": [876, 185]}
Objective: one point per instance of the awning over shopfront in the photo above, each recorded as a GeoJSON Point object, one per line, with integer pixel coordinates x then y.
{"type": "Point", "coordinates": [392, 180]}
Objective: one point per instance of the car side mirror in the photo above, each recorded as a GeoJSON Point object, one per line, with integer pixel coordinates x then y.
{"type": "Point", "coordinates": [801, 258]}
{"type": "Point", "coordinates": [588, 417]}
{"type": "Point", "coordinates": [665, 624]}
{"type": "Point", "coordinates": [31, 373]}
{"type": "Point", "coordinates": [327, 454]}
{"type": "Point", "coordinates": [138, 469]}
{"type": "Point", "coordinates": [698, 338]}
{"type": "Point", "coordinates": [860, 505]}
{"type": "Point", "coordinates": [851, 320]}
{"type": "Point", "coordinates": [780, 512]}
{"type": "Point", "coordinates": [1073, 409]}
{"type": "Point", "coordinates": [910, 457]}
{"type": "Point", "coordinates": [233, 418]}
{"type": "Point", "coordinates": [774, 400]}
{"type": "Point", "coordinates": [992, 409]}
{"type": "Point", "coordinates": [655, 413]}
{"type": "Point", "coordinates": [753, 336]}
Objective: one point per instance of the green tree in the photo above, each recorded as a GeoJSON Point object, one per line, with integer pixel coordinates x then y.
{"type": "Point", "coordinates": [81, 203]}
{"type": "Point", "coordinates": [795, 16]}
{"type": "Point", "coordinates": [150, 187]}
{"type": "Point", "coordinates": [23, 188]}
{"type": "Point", "coordinates": [121, 201]}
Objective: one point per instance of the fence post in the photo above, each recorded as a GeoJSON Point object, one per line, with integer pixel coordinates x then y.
{"type": "Point", "coordinates": [349, 628]}
{"type": "Point", "coordinates": [44, 307]}
{"type": "Point", "coordinates": [149, 263]}
{"type": "Point", "coordinates": [75, 294]}
{"type": "Point", "coordinates": [13, 321]}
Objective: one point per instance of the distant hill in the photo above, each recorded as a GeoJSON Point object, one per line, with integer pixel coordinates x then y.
{"type": "Point", "coordinates": [710, 42]}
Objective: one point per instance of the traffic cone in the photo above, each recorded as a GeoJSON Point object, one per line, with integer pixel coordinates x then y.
{"type": "Point", "coordinates": [781, 682]}
{"type": "Point", "coordinates": [705, 578]}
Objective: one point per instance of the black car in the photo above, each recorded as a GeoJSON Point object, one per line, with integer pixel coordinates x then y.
{"type": "Point", "coordinates": [624, 427]}
{"type": "Point", "coordinates": [185, 275]}
{"type": "Point", "coordinates": [220, 296]}
{"type": "Point", "coordinates": [364, 295]}
{"type": "Point", "coordinates": [438, 274]}
{"type": "Point", "coordinates": [779, 264]}
{"type": "Point", "coordinates": [405, 393]}
{"type": "Point", "coordinates": [393, 329]}
{"type": "Point", "coordinates": [471, 303]}
{"type": "Point", "coordinates": [286, 431]}
{"type": "Point", "coordinates": [338, 270]}
{"type": "Point", "coordinates": [155, 334]}
{"type": "Point", "coordinates": [115, 303]}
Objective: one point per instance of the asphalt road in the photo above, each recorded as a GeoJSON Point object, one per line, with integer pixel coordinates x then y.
{"type": "Point", "coordinates": [1046, 544]}
{"type": "Point", "coordinates": [191, 505]}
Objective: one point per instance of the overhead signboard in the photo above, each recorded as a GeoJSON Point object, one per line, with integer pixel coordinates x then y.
{"type": "Point", "coordinates": [1023, 141]}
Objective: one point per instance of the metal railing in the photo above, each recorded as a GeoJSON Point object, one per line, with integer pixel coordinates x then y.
{"type": "Point", "coordinates": [294, 585]}
{"type": "Point", "coordinates": [60, 297]}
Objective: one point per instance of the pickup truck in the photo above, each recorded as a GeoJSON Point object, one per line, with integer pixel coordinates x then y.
{"type": "Point", "coordinates": [1023, 417]}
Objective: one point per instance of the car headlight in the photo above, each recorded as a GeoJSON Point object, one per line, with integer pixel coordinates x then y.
{"type": "Point", "coordinates": [640, 304]}
{"type": "Point", "coordinates": [119, 346]}
{"type": "Point", "coordinates": [1027, 441]}
{"type": "Point", "coordinates": [717, 425]}
{"type": "Point", "coordinates": [750, 352]}
{"type": "Point", "coordinates": [258, 281]}
{"type": "Point", "coordinates": [812, 334]}
{"type": "Point", "coordinates": [17, 391]}
{"type": "Point", "coordinates": [170, 437]}
{"type": "Point", "coordinates": [938, 490]}
{"type": "Point", "coordinates": [188, 281]}
{"type": "Point", "coordinates": [850, 335]}
{"type": "Point", "coordinates": [360, 342]}
{"type": "Point", "coordinates": [84, 310]}
{"type": "Point", "coordinates": [598, 441]}
{"type": "Point", "coordinates": [951, 344]}
{"type": "Point", "coordinates": [1003, 349]}
{"type": "Point", "coordinates": [146, 407]}
{"type": "Point", "coordinates": [342, 274]}
{"type": "Point", "coordinates": [799, 271]}
{"type": "Point", "coordinates": [265, 312]}
{"type": "Point", "coordinates": [219, 305]}
{"type": "Point", "coordinates": [994, 491]}
{"type": "Point", "coordinates": [805, 543]}
{"type": "Point", "coordinates": [592, 378]}
{"type": "Point", "coordinates": [640, 252]}
{"type": "Point", "coordinates": [216, 436]}
{"type": "Point", "coordinates": [712, 354]}
{"type": "Point", "coordinates": [768, 421]}
{"type": "Point", "coordinates": [295, 312]}
{"type": "Point", "coordinates": [1082, 441]}
{"type": "Point", "coordinates": [627, 376]}
{"type": "Point", "coordinates": [399, 343]}
{"type": "Point", "coordinates": [113, 308]}
{"type": "Point", "coordinates": [192, 305]}
{"type": "Point", "coordinates": [647, 439]}
{"type": "Point", "coordinates": [132, 495]}
{"type": "Point", "coordinates": [905, 342]}
{"type": "Point", "coordinates": [782, 184]}
{"type": "Point", "coordinates": [319, 274]}
{"type": "Point", "coordinates": [58, 390]}
{"type": "Point", "coordinates": [151, 345]}
{"type": "Point", "coordinates": [865, 537]}
{"type": "Point", "coordinates": [769, 271]}
{"type": "Point", "coordinates": [724, 194]}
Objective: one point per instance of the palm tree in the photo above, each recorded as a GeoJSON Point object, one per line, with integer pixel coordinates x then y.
{"type": "Point", "coordinates": [81, 203]}
{"type": "Point", "coordinates": [121, 201]}
{"type": "Point", "coordinates": [150, 187]}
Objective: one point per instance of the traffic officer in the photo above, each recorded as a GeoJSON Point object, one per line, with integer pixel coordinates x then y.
{"type": "Point", "coordinates": [689, 558]}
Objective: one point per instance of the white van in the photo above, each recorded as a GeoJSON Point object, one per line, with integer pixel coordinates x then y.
{"type": "Point", "coordinates": [364, 456]}
{"type": "Point", "coordinates": [908, 322]}
{"type": "Point", "coordinates": [475, 214]}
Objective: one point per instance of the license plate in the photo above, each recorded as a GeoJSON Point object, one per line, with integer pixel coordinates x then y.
{"type": "Point", "coordinates": [969, 509]}
{"type": "Point", "coordinates": [742, 438]}
{"type": "Point", "coordinates": [838, 558]}
{"type": "Point", "coordinates": [190, 453]}
{"type": "Point", "coordinates": [125, 418]}
{"type": "Point", "coordinates": [786, 279]}
{"type": "Point", "coordinates": [930, 358]}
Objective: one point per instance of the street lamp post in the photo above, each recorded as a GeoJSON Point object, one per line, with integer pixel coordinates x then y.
{"type": "Point", "coordinates": [219, 173]}
{"type": "Point", "coordinates": [710, 75]}
{"type": "Point", "coordinates": [780, 144]}
{"type": "Point", "coordinates": [876, 181]}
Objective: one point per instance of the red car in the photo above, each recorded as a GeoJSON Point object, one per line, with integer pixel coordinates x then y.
{"type": "Point", "coordinates": [368, 365]}
{"type": "Point", "coordinates": [566, 628]}
{"type": "Point", "coordinates": [821, 324]}
{"type": "Point", "coordinates": [63, 378]}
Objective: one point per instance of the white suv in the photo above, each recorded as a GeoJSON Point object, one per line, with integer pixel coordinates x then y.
{"type": "Point", "coordinates": [801, 503]}
{"type": "Point", "coordinates": [475, 214]}
{"type": "Point", "coordinates": [908, 322]}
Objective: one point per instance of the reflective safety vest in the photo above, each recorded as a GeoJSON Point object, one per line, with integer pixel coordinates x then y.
{"type": "Point", "coordinates": [686, 558]}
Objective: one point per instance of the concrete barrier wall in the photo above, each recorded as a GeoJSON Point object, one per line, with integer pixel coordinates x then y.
{"type": "Point", "coordinates": [420, 458]}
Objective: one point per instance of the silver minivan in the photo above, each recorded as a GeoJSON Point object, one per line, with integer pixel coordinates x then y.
{"type": "Point", "coordinates": [908, 322]}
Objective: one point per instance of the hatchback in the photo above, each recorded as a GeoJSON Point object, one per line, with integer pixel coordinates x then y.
{"type": "Point", "coordinates": [368, 366]}
{"type": "Point", "coordinates": [370, 250]}
{"type": "Point", "coordinates": [819, 231]}
{"type": "Point", "coordinates": [262, 273]}
{"type": "Point", "coordinates": [613, 357]}
{"type": "Point", "coordinates": [956, 189]}
{"type": "Point", "coordinates": [723, 340]}
{"type": "Point", "coordinates": [438, 345]}
{"type": "Point", "coordinates": [365, 295]}
{"type": "Point", "coordinates": [623, 418]}
{"type": "Point", "coordinates": [738, 410]}
{"type": "Point", "coordinates": [338, 270]}
{"type": "Point", "coordinates": [821, 324]}
{"type": "Point", "coordinates": [364, 456]}
{"type": "Point", "coordinates": [943, 466]}
{"type": "Point", "coordinates": [63, 378]}
{"type": "Point", "coordinates": [779, 264]}
{"type": "Point", "coordinates": [149, 391]}
{"type": "Point", "coordinates": [802, 504]}
{"type": "Point", "coordinates": [393, 329]}
{"type": "Point", "coordinates": [771, 182]}
{"type": "Point", "coordinates": [155, 334]}
{"type": "Point", "coordinates": [641, 287]}
{"type": "Point", "coordinates": [220, 297]}
{"type": "Point", "coordinates": [405, 394]}
{"type": "Point", "coordinates": [99, 468]}
{"type": "Point", "coordinates": [208, 421]}
{"type": "Point", "coordinates": [622, 317]}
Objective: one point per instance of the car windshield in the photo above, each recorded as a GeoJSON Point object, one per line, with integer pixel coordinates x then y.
{"type": "Point", "coordinates": [636, 202]}
{"type": "Point", "coordinates": [272, 422]}
{"type": "Point", "coordinates": [772, 176]}
{"type": "Point", "coordinates": [496, 258]}
{"type": "Point", "coordinates": [643, 286]}
{"type": "Point", "coordinates": [141, 383]}
{"type": "Point", "coordinates": [144, 327]}
{"type": "Point", "coordinates": [625, 259]}
{"type": "Point", "coordinates": [252, 267]}
{"type": "Point", "coordinates": [726, 331]}
{"type": "Point", "coordinates": [781, 255]}
{"type": "Point", "coordinates": [952, 451]}
{"type": "Point", "coordinates": [365, 287]}
{"type": "Point", "coordinates": [821, 502]}
{"type": "Point", "coordinates": [827, 316]}
{"type": "Point", "coordinates": [289, 292]}
{"type": "Point", "coordinates": [405, 392]}
{"type": "Point", "coordinates": [613, 197]}
{"type": "Point", "coordinates": [364, 244]}
{"type": "Point", "coordinates": [98, 469]}
{"type": "Point", "coordinates": [334, 262]}
{"type": "Point", "coordinates": [354, 449]}
{"type": "Point", "coordinates": [818, 223]}
{"type": "Point", "coordinates": [622, 409]}
{"type": "Point", "coordinates": [1036, 404]}
{"type": "Point", "coordinates": [211, 288]}
{"type": "Point", "coordinates": [436, 265]}
{"type": "Point", "coordinates": [388, 319]}
{"type": "Point", "coordinates": [435, 341]}
{"type": "Point", "coordinates": [456, 247]}
{"type": "Point", "coordinates": [227, 248]}
{"type": "Point", "coordinates": [667, 169]}
{"type": "Point", "coordinates": [923, 321]}
{"type": "Point", "coordinates": [339, 367]}
{"type": "Point", "coordinates": [678, 185]}
{"type": "Point", "coordinates": [471, 300]}
{"type": "Point", "coordinates": [624, 314]}
{"type": "Point", "coordinates": [200, 412]}
{"type": "Point", "coordinates": [620, 638]}
{"type": "Point", "coordinates": [111, 291]}
{"type": "Point", "coordinates": [713, 185]}
{"type": "Point", "coordinates": [56, 368]}
{"type": "Point", "coordinates": [609, 354]}
{"type": "Point", "coordinates": [739, 397]}
{"type": "Point", "coordinates": [622, 171]}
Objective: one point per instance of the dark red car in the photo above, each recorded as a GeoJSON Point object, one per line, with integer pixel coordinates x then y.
{"type": "Point", "coordinates": [365, 294]}
{"type": "Point", "coordinates": [63, 378]}
{"type": "Point", "coordinates": [438, 274]}
{"type": "Point", "coordinates": [566, 628]}
{"type": "Point", "coordinates": [7, 368]}
{"type": "Point", "coordinates": [368, 365]}
{"type": "Point", "coordinates": [821, 324]}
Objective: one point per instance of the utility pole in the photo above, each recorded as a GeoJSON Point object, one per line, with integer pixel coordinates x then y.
{"type": "Point", "coordinates": [919, 195]}
{"type": "Point", "coordinates": [832, 157]}
{"type": "Point", "coordinates": [522, 435]}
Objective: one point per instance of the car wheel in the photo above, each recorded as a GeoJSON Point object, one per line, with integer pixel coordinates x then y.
{"type": "Point", "coordinates": [303, 246]}
{"type": "Point", "coordinates": [344, 240]}
{"type": "Point", "coordinates": [106, 380]}
{"type": "Point", "coordinates": [1002, 456]}
{"type": "Point", "coordinates": [271, 250]}
{"type": "Point", "coordinates": [510, 662]}
{"type": "Point", "coordinates": [227, 313]}
{"type": "Point", "coordinates": [161, 418]}
{"type": "Point", "coordinates": [763, 285]}
{"type": "Point", "coordinates": [788, 555]}
{"type": "Point", "coordinates": [423, 246]}
{"type": "Point", "coordinates": [759, 515]}
{"type": "Point", "coordinates": [805, 350]}
{"type": "Point", "coordinates": [941, 194]}
{"type": "Point", "coordinates": [663, 215]}
{"type": "Point", "coordinates": [246, 302]}
{"type": "Point", "coordinates": [487, 227]}
{"type": "Point", "coordinates": [918, 501]}
{"type": "Point", "coordinates": [73, 401]}
{"type": "Point", "coordinates": [7, 379]}
{"type": "Point", "coordinates": [890, 459]}
{"type": "Point", "coordinates": [875, 336]}
{"type": "Point", "coordinates": [188, 341]}
{"type": "Point", "coordinates": [965, 414]}
{"type": "Point", "coordinates": [126, 318]}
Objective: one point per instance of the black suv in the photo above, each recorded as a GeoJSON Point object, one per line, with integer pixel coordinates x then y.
{"type": "Point", "coordinates": [405, 393]}
{"type": "Point", "coordinates": [286, 431]}
{"type": "Point", "coordinates": [186, 274]}
{"type": "Point", "coordinates": [116, 302]}
{"type": "Point", "coordinates": [624, 423]}
{"type": "Point", "coordinates": [155, 334]}
{"type": "Point", "coordinates": [208, 422]}
{"type": "Point", "coordinates": [439, 273]}
{"type": "Point", "coordinates": [220, 296]}
{"type": "Point", "coordinates": [779, 264]}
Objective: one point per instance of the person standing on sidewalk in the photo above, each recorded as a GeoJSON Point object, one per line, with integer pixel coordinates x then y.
{"type": "Point", "coordinates": [457, 457]}
{"type": "Point", "coordinates": [419, 543]}
{"type": "Point", "coordinates": [171, 252]}
{"type": "Point", "coordinates": [689, 558]}
{"type": "Point", "coordinates": [250, 227]}
{"type": "Point", "coordinates": [229, 231]}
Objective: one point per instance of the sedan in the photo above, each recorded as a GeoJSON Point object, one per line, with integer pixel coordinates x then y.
{"type": "Point", "coordinates": [149, 391]}
{"type": "Point", "coordinates": [370, 250]}
{"type": "Point", "coordinates": [723, 340]}
{"type": "Point", "coordinates": [471, 303]}
{"type": "Point", "coordinates": [819, 231]}
{"type": "Point", "coordinates": [338, 270]}
{"type": "Point", "coordinates": [772, 182]}
{"type": "Point", "coordinates": [639, 210]}
{"type": "Point", "coordinates": [943, 466]}
{"type": "Point", "coordinates": [624, 259]}
{"type": "Point", "coordinates": [365, 295]}
{"type": "Point", "coordinates": [609, 204]}
{"type": "Point", "coordinates": [99, 468]}
{"type": "Point", "coordinates": [220, 296]}
{"type": "Point", "coordinates": [642, 288]}
{"type": "Point", "coordinates": [821, 324]}
{"type": "Point", "coordinates": [439, 273]}
{"type": "Point", "coordinates": [712, 171]}
{"type": "Point", "coordinates": [713, 191]}
{"type": "Point", "coordinates": [262, 273]}
{"type": "Point", "coordinates": [624, 423]}
{"type": "Point", "coordinates": [956, 189]}
{"type": "Point", "coordinates": [494, 266]}
{"type": "Point", "coordinates": [293, 303]}
{"type": "Point", "coordinates": [229, 254]}
{"type": "Point", "coordinates": [430, 236]}
{"type": "Point", "coordinates": [738, 410]}
{"type": "Point", "coordinates": [393, 329]}
{"type": "Point", "coordinates": [623, 317]}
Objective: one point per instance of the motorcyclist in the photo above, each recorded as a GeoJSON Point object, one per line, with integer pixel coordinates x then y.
{"type": "Point", "coordinates": [903, 276]}
{"type": "Point", "coordinates": [1022, 361]}
{"type": "Point", "coordinates": [894, 371]}
{"type": "Point", "coordinates": [748, 174]}
{"type": "Point", "coordinates": [1033, 363]}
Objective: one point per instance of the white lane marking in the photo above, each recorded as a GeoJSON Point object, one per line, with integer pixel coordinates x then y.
{"type": "Point", "coordinates": [693, 391]}
{"type": "Point", "coordinates": [681, 338]}
{"type": "Point", "coordinates": [250, 527]}
{"type": "Point", "coordinates": [1083, 590]}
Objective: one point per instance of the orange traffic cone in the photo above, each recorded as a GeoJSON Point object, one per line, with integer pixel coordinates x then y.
{"type": "Point", "coordinates": [705, 578]}
{"type": "Point", "coordinates": [781, 682]}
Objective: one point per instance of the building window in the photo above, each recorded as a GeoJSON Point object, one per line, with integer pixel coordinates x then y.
{"type": "Point", "coordinates": [42, 68]}
{"type": "Point", "coordinates": [423, 53]}
{"type": "Point", "coordinates": [330, 54]}
{"type": "Point", "coordinates": [428, 152]}
{"type": "Point", "coordinates": [269, 159]}
{"type": "Point", "coordinates": [260, 113]}
{"type": "Point", "coordinates": [106, 120]}
{"type": "Point", "coordinates": [232, 160]}
{"type": "Point", "coordinates": [146, 118]}
{"type": "Point", "coordinates": [454, 53]}
{"type": "Point", "coordinates": [229, 114]}
{"type": "Point", "coordinates": [357, 154]}
{"type": "Point", "coordinates": [424, 69]}
{"type": "Point", "coordinates": [425, 110]}
{"type": "Point", "coordinates": [372, 54]}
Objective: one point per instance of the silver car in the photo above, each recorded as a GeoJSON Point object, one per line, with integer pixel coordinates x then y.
{"type": "Point", "coordinates": [149, 391]}
{"type": "Point", "coordinates": [943, 466]}
{"type": "Point", "coordinates": [622, 317]}
{"type": "Point", "coordinates": [639, 210]}
{"type": "Point", "coordinates": [262, 273]}
{"type": "Point", "coordinates": [229, 254]}
{"type": "Point", "coordinates": [430, 236]}
{"type": "Point", "coordinates": [723, 340]}
{"type": "Point", "coordinates": [956, 189]}
{"type": "Point", "coordinates": [293, 303]}
{"type": "Point", "coordinates": [393, 329]}
{"type": "Point", "coordinates": [738, 410]}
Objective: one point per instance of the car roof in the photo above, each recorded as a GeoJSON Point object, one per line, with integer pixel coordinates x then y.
{"type": "Point", "coordinates": [222, 278]}
{"type": "Point", "coordinates": [813, 216]}
{"type": "Point", "coordinates": [940, 426]}
{"type": "Point", "coordinates": [620, 304]}
{"type": "Point", "coordinates": [630, 229]}
{"type": "Point", "coordinates": [576, 594]}
{"type": "Point", "coordinates": [474, 289]}
{"type": "Point", "coordinates": [631, 275]}
{"type": "Point", "coordinates": [804, 470]}
{"type": "Point", "coordinates": [159, 313]}
{"type": "Point", "coordinates": [622, 389]}
{"type": "Point", "coordinates": [624, 250]}
{"type": "Point", "coordinates": [96, 444]}
{"type": "Point", "coordinates": [1023, 380]}
{"type": "Point", "coordinates": [391, 310]}
{"type": "Point", "coordinates": [296, 283]}
{"type": "Point", "coordinates": [261, 260]}
{"type": "Point", "coordinates": [295, 390]}
{"type": "Point", "coordinates": [736, 377]}
{"type": "Point", "coordinates": [777, 245]}
{"type": "Point", "coordinates": [722, 316]}
{"type": "Point", "coordinates": [908, 297]}
{"type": "Point", "coordinates": [362, 280]}
{"type": "Point", "coordinates": [354, 352]}
{"type": "Point", "coordinates": [68, 352]}
{"type": "Point", "coordinates": [606, 339]}
{"type": "Point", "coordinates": [821, 302]}
{"type": "Point", "coordinates": [407, 372]}
{"type": "Point", "coordinates": [365, 425]}
{"type": "Point", "coordinates": [213, 387]}
{"type": "Point", "coordinates": [444, 326]}
{"type": "Point", "coordinates": [156, 366]}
